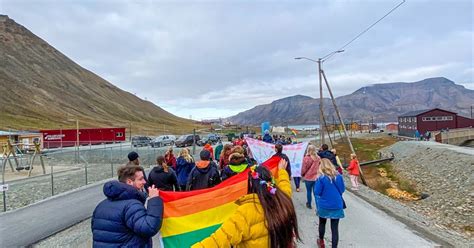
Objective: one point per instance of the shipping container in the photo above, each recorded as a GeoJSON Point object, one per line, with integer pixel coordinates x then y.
{"type": "Point", "coordinates": [87, 136]}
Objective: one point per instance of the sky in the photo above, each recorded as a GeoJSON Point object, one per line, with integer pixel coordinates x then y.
{"type": "Point", "coordinates": [211, 59]}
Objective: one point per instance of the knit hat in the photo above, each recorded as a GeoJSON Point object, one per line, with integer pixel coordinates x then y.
{"type": "Point", "coordinates": [205, 154]}
{"type": "Point", "coordinates": [132, 156]}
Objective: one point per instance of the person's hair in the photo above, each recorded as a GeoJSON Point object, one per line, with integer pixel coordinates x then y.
{"type": "Point", "coordinates": [236, 158]}
{"type": "Point", "coordinates": [128, 172]}
{"type": "Point", "coordinates": [333, 151]}
{"type": "Point", "coordinates": [324, 147]}
{"type": "Point", "coordinates": [185, 154]}
{"type": "Point", "coordinates": [169, 151]}
{"type": "Point", "coordinates": [160, 161]}
{"type": "Point", "coordinates": [311, 150]}
{"type": "Point", "coordinates": [327, 168]}
{"type": "Point", "coordinates": [227, 148]}
{"type": "Point", "coordinates": [238, 149]}
{"type": "Point", "coordinates": [278, 209]}
{"type": "Point", "coordinates": [279, 148]}
{"type": "Point", "coordinates": [353, 156]}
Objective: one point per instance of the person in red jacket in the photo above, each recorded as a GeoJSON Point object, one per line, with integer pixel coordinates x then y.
{"type": "Point", "coordinates": [210, 149]}
{"type": "Point", "coordinates": [170, 159]}
{"type": "Point", "coordinates": [353, 170]}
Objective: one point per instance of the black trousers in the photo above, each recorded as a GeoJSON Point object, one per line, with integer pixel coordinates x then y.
{"type": "Point", "coordinates": [334, 230]}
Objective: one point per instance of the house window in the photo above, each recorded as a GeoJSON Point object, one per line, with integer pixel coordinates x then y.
{"type": "Point", "coordinates": [414, 119]}
{"type": "Point", "coordinates": [119, 134]}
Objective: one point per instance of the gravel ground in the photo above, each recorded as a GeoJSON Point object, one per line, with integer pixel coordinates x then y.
{"type": "Point", "coordinates": [446, 173]}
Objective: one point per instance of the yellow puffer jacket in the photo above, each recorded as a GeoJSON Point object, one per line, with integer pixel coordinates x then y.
{"type": "Point", "coordinates": [246, 228]}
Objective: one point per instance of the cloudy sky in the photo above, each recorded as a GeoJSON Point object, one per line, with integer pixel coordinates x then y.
{"type": "Point", "coordinates": [209, 59]}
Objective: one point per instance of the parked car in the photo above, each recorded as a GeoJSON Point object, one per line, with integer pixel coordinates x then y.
{"type": "Point", "coordinates": [186, 140]}
{"type": "Point", "coordinates": [163, 140]}
{"type": "Point", "coordinates": [211, 138]}
{"type": "Point", "coordinates": [140, 141]}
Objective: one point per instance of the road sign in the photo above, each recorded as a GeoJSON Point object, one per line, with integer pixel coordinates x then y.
{"type": "Point", "coordinates": [3, 187]}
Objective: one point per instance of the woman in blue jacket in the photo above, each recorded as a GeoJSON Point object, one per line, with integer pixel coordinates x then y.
{"type": "Point", "coordinates": [328, 191]}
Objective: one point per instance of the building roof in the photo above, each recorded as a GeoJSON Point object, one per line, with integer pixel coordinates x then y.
{"type": "Point", "coordinates": [419, 112]}
{"type": "Point", "coordinates": [6, 133]}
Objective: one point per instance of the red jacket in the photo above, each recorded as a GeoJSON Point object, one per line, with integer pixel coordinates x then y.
{"type": "Point", "coordinates": [310, 168]}
{"type": "Point", "coordinates": [210, 149]}
{"type": "Point", "coordinates": [170, 160]}
{"type": "Point", "coordinates": [353, 168]}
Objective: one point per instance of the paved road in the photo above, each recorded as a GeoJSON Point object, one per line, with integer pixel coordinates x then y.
{"type": "Point", "coordinates": [363, 226]}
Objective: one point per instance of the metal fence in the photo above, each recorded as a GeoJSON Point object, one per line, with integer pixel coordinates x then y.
{"type": "Point", "coordinates": [65, 170]}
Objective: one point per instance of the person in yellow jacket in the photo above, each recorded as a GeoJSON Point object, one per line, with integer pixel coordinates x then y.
{"type": "Point", "coordinates": [265, 217]}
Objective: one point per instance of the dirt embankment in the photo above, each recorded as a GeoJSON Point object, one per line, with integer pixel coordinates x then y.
{"type": "Point", "coordinates": [446, 174]}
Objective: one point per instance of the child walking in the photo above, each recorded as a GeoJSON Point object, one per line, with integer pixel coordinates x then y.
{"type": "Point", "coordinates": [353, 170]}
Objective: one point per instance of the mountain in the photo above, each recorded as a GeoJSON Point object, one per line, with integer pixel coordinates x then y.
{"type": "Point", "coordinates": [383, 102]}
{"type": "Point", "coordinates": [42, 88]}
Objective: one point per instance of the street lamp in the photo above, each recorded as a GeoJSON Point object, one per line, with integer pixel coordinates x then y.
{"type": "Point", "coordinates": [320, 61]}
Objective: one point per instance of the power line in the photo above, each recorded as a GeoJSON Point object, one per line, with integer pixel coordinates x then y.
{"type": "Point", "coordinates": [361, 33]}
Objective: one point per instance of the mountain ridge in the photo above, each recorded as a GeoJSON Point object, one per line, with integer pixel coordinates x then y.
{"type": "Point", "coordinates": [383, 102]}
{"type": "Point", "coordinates": [45, 89]}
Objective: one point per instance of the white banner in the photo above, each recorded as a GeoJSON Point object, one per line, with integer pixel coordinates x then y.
{"type": "Point", "coordinates": [262, 151]}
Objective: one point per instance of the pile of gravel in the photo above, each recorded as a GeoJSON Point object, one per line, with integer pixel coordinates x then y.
{"type": "Point", "coordinates": [446, 174]}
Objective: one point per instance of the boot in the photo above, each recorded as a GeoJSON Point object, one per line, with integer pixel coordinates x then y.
{"type": "Point", "coordinates": [308, 206]}
{"type": "Point", "coordinates": [320, 243]}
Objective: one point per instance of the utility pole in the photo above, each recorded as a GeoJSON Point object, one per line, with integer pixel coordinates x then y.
{"type": "Point", "coordinates": [343, 126]}
{"type": "Point", "coordinates": [321, 117]}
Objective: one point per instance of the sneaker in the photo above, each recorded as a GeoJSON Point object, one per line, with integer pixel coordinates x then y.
{"type": "Point", "coordinates": [320, 243]}
{"type": "Point", "coordinates": [308, 206]}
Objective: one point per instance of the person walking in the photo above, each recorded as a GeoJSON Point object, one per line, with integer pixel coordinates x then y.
{"type": "Point", "coordinates": [205, 174]}
{"type": "Point", "coordinates": [265, 216]}
{"type": "Point", "coordinates": [218, 150]}
{"type": "Point", "coordinates": [238, 163]}
{"type": "Point", "coordinates": [354, 173]}
{"type": "Point", "coordinates": [122, 220]}
{"type": "Point", "coordinates": [134, 160]}
{"type": "Point", "coordinates": [208, 147]}
{"type": "Point", "coordinates": [279, 153]}
{"type": "Point", "coordinates": [338, 161]}
{"type": "Point", "coordinates": [324, 152]}
{"type": "Point", "coordinates": [184, 164]}
{"type": "Point", "coordinates": [309, 172]}
{"type": "Point", "coordinates": [162, 176]}
{"type": "Point", "coordinates": [267, 137]}
{"type": "Point", "coordinates": [170, 158]}
{"type": "Point", "coordinates": [328, 191]}
{"type": "Point", "coordinates": [224, 157]}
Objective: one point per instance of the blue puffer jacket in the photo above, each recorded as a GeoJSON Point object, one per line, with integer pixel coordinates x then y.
{"type": "Point", "coordinates": [327, 195]}
{"type": "Point", "coordinates": [121, 220]}
{"type": "Point", "coordinates": [183, 168]}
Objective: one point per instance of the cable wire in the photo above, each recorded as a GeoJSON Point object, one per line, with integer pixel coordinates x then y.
{"type": "Point", "coordinates": [361, 33]}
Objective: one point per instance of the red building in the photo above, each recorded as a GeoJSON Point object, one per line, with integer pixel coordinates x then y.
{"type": "Point", "coordinates": [87, 136]}
{"type": "Point", "coordinates": [391, 128]}
{"type": "Point", "coordinates": [430, 120]}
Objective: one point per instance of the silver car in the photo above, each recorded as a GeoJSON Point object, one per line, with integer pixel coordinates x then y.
{"type": "Point", "coordinates": [163, 140]}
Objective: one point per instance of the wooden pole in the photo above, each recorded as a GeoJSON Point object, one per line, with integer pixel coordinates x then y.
{"type": "Point", "coordinates": [321, 131]}
{"type": "Point", "coordinates": [343, 126]}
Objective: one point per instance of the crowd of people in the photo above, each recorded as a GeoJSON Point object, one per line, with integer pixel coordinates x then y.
{"type": "Point", "coordinates": [265, 216]}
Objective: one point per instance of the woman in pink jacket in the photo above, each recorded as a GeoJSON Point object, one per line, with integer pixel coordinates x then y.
{"type": "Point", "coordinates": [309, 172]}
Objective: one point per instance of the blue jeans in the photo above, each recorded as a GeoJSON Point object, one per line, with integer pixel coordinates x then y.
{"type": "Point", "coordinates": [309, 191]}
{"type": "Point", "coordinates": [297, 181]}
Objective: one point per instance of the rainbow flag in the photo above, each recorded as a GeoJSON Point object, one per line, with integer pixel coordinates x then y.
{"type": "Point", "coordinates": [294, 131]}
{"type": "Point", "coordinates": [190, 217]}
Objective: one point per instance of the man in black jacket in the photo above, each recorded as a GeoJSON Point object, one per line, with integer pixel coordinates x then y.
{"type": "Point", "coordinates": [205, 174]}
